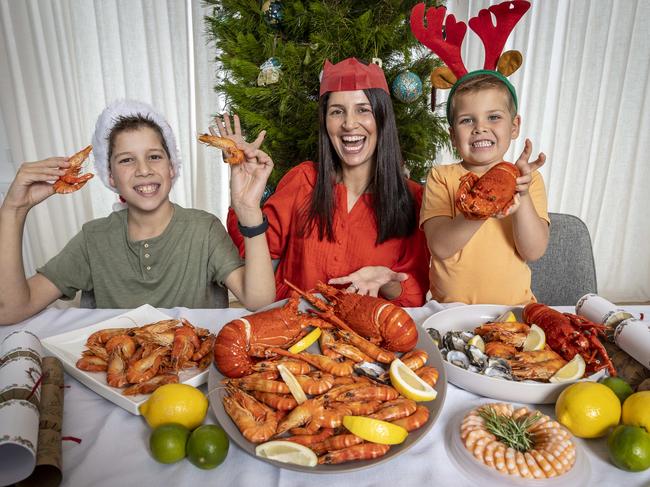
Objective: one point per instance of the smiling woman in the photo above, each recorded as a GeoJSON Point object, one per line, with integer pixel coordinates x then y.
{"type": "Point", "coordinates": [349, 219]}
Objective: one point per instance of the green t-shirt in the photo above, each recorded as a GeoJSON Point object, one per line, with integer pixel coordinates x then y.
{"type": "Point", "coordinates": [184, 266]}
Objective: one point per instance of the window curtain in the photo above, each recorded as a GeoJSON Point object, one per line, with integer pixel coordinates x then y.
{"type": "Point", "coordinates": [584, 101]}
{"type": "Point", "coordinates": [63, 62]}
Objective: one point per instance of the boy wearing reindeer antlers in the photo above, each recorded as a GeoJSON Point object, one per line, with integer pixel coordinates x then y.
{"type": "Point", "coordinates": [483, 217]}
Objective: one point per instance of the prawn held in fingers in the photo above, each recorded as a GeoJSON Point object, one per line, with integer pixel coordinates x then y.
{"type": "Point", "coordinates": [232, 154]}
{"type": "Point", "coordinates": [71, 181]}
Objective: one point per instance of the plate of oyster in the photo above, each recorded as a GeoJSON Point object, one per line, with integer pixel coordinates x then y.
{"type": "Point", "coordinates": [477, 362]}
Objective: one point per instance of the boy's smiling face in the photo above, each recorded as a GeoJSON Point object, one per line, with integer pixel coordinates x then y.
{"type": "Point", "coordinates": [140, 169]}
{"type": "Point", "coordinates": [482, 128]}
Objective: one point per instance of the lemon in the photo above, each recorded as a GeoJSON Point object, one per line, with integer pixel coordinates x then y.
{"type": "Point", "coordinates": [375, 430]}
{"type": "Point", "coordinates": [305, 342]}
{"type": "Point", "coordinates": [408, 384]}
{"type": "Point", "coordinates": [536, 340]}
{"type": "Point", "coordinates": [287, 452]}
{"type": "Point", "coordinates": [294, 387]}
{"type": "Point", "coordinates": [167, 442]}
{"type": "Point", "coordinates": [636, 410]}
{"type": "Point", "coordinates": [588, 409]}
{"type": "Point", "coordinates": [478, 342]}
{"type": "Point", "coordinates": [629, 448]}
{"type": "Point", "coordinates": [207, 446]}
{"type": "Point", "coordinates": [175, 403]}
{"type": "Point", "coordinates": [621, 388]}
{"type": "Point", "coordinates": [573, 370]}
{"type": "Point", "coordinates": [507, 316]}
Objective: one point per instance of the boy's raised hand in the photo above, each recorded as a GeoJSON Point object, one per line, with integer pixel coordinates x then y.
{"type": "Point", "coordinates": [33, 183]}
{"type": "Point", "coordinates": [527, 168]}
{"type": "Point", "coordinates": [247, 184]}
{"type": "Point", "coordinates": [223, 128]}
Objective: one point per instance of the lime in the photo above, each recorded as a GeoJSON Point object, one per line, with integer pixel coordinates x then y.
{"type": "Point", "coordinates": [636, 410]}
{"type": "Point", "coordinates": [291, 381]}
{"type": "Point", "coordinates": [175, 403]}
{"type": "Point", "coordinates": [409, 384]}
{"type": "Point", "coordinates": [573, 370]}
{"type": "Point", "coordinates": [588, 409]}
{"type": "Point", "coordinates": [535, 340]}
{"type": "Point", "coordinates": [621, 388]}
{"type": "Point", "coordinates": [207, 446]}
{"type": "Point", "coordinates": [287, 452]}
{"type": "Point", "coordinates": [375, 430]}
{"type": "Point", "coordinates": [167, 442]}
{"type": "Point", "coordinates": [305, 342]}
{"type": "Point", "coordinates": [629, 448]}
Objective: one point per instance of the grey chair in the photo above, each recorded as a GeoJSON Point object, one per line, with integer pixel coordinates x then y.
{"type": "Point", "coordinates": [567, 271]}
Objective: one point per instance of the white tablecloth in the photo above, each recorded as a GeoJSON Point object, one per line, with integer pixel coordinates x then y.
{"type": "Point", "coordinates": [114, 448]}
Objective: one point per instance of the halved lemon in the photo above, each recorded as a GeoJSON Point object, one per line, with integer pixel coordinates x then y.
{"type": "Point", "coordinates": [287, 452]}
{"type": "Point", "coordinates": [507, 316]}
{"type": "Point", "coordinates": [409, 384]}
{"type": "Point", "coordinates": [573, 370]}
{"type": "Point", "coordinates": [294, 387]}
{"type": "Point", "coordinates": [535, 340]}
{"type": "Point", "coordinates": [305, 342]}
{"type": "Point", "coordinates": [375, 430]}
{"type": "Point", "coordinates": [478, 342]}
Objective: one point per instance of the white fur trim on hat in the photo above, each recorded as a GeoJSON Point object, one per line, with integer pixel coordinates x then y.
{"type": "Point", "coordinates": [105, 124]}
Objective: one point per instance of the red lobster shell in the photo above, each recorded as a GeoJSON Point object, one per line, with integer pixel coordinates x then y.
{"type": "Point", "coordinates": [376, 319]}
{"type": "Point", "coordinates": [493, 193]}
{"type": "Point", "coordinates": [244, 338]}
{"type": "Point", "coordinates": [569, 334]}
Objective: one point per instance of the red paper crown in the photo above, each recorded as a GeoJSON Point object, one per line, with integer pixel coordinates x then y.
{"type": "Point", "coordinates": [351, 75]}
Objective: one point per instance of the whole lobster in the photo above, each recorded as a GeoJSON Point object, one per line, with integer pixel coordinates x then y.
{"type": "Point", "coordinates": [376, 319]}
{"type": "Point", "coordinates": [569, 334]}
{"type": "Point", "coordinates": [240, 340]}
{"type": "Point", "coordinates": [479, 198]}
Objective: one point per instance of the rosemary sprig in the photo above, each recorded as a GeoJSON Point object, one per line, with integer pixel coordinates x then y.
{"type": "Point", "coordinates": [512, 432]}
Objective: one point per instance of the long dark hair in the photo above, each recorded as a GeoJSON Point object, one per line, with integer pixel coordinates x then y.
{"type": "Point", "coordinates": [393, 203]}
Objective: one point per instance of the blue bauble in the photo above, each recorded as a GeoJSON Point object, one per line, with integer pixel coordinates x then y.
{"type": "Point", "coordinates": [268, 191]}
{"type": "Point", "coordinates": [273, 13]}
{"type": "Point", "coordinates": [407, 87]}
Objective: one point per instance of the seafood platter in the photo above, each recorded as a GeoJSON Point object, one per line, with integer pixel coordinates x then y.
{"type": "Point", "coordinates": [125, 358]}
{"type": "Point", "coordinates": [498, 368]}
{"type": "Point", "coordinates": [503, 443]}
{"type": "Point", "coordinates": [342, 375]}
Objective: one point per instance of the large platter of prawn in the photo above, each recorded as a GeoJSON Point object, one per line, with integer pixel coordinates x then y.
{"type": "Point", "coordinates": [362, 379]}
{"type": "Point", "coordinates": [522, 377]}
{"type": "Point", "coordinates": [83, 347]}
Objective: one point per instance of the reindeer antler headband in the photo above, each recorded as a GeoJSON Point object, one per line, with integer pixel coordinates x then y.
{"type": "Point", "coordinates": [446, 43]}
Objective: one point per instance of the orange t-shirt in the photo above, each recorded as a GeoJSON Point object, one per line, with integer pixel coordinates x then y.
{"type": "Point", "coordinates": [304, 260]}
{"type": "Point", "coordinates": [488, 269]}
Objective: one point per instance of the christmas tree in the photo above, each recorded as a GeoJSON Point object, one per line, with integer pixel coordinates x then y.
{"type": "Point", "coordinates": [270, 55]}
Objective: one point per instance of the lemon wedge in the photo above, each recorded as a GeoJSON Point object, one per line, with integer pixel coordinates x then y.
{"type": "Point", "coordinates": [375, 430]}
{"type": "Point", "coordinates": [507, 316]}
{"type": "Point", "coordinates": [287, 452]}
{"type": "Point", "coordinates": [478, 342]}
{"type": "Point", "coordinates": [409, 384]}
{"type": "Point", "coordinates": [573, 370]}
{"type": "Point", "coordinates": [294, 387]}
{"type": "Point", "coordinates": [535, 340]}
{"type": "Point", "coordinates": [305, 342]}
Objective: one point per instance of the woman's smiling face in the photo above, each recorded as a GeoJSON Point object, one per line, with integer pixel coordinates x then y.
{"type": "Point", "coordinates": [351, 127]}
{"type": "Point", "coordinates": [140, 168]}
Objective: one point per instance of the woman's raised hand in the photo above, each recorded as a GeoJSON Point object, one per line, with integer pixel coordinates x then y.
{"type": "Point", "coordinates": [33, 183]}
{"type": "Point", "coordinates": [369, 280]}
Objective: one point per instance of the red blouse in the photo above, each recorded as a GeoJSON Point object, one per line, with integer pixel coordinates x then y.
{"type": "Point", "coordinates": [304, 260]}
